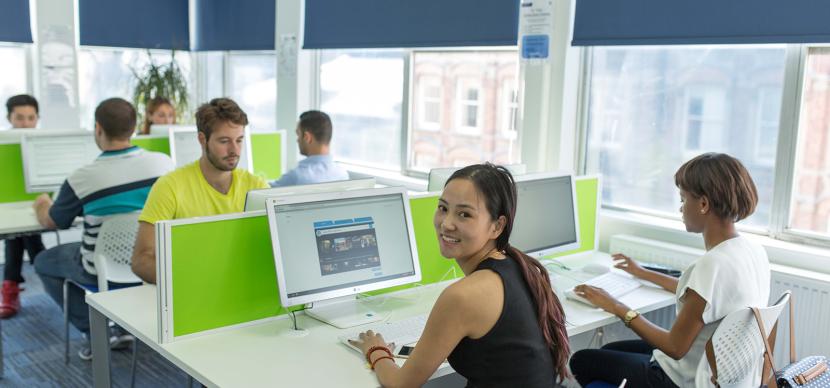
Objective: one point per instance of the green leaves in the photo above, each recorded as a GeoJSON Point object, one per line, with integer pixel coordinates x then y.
{"type": "Point", "coordinates": [165, 80]}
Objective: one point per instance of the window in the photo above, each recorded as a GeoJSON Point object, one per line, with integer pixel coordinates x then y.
{"type": "Point", "coordinates": [810, 203]}
{"type": "Point", "coordinates": [252, 83]}
{"type": "Point", "coordinates": [108, 72]}
{"type": "Point", "coordinates": [429, 103]}
{"type": "Point", "coordinates": [468, 105]}
{"type": "Point", "coordinates": [509, 108]}
{"type": "Point", "coordinates": [13, 74]}
{"type": "Point", "coordinates": [652, 108]}
{"type": "Point", "coordinates": [362, 90]}
{"type": "Point", "coordinates": [767, 115]}
{"type": "Point", "coordinates": [478, 114]}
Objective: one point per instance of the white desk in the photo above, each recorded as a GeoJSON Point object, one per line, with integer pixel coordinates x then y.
{"type": "Point", "coordinates": [19, 219]}
{"type": "Point", "coordinates": [263, 355]}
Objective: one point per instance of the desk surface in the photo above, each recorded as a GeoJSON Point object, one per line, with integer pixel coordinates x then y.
{"type": "Point", "coordinates": [18, 218]}
{"type": "Point", "coordinates": [264, 354]}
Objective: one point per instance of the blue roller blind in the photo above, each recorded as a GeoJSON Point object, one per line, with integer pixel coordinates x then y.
{"type": "Point", "coordinates": [410, 23]}
{"type": "Point", "coordinates": [14, 21]}
{"type": "Point", "coordinates": [159, 24]}
{"type": "Point", "coordinates": [667, 22]}
{"type": "Point", "coordinates": [235, 25]}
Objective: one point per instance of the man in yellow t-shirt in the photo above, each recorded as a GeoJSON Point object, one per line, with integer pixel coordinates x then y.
{"type": "Point", "coordinates": [212, 185]}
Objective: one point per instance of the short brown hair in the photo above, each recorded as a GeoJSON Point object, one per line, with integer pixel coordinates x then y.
{"type": "Point", "coordinates": [219, 110]}
{"type": "Point", "coordinates": [117, 118]}
{"type": "Point", "coordinates": [723, 180]}
{"type": "Point", "coordinates": [318, 124]}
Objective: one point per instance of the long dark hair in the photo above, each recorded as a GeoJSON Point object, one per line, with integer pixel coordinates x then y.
{"type": "Point", "coordinates": [498, 188]}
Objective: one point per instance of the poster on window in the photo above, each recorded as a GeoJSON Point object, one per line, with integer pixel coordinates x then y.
{"type": "Point", "coordinates": [535, 30]}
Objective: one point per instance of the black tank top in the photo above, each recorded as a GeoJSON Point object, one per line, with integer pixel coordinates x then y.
{"type": "Point", "coordinates": [513, 353]}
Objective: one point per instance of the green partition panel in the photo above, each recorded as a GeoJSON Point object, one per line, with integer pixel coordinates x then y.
{"type": "Point", "coordinates": [267, 151]}
{"type": "Point", "coordinates": [13, 188]}
{"type": "Point", "coordinates": [223, 274]}
{"type": "Point", "coordinates": [587, 195]}
{"type": "Point", "coordinates": [153, 143]}
{"type": "Point", "coordinates": [223, 271]}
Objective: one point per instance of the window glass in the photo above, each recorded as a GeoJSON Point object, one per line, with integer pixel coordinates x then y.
{"type": "Point", "coordinates": [362, 90]}
{"type": "Point", "coordinates": [465, 108]}
{"type": "Point", "coordinates": [652, 108]}
{"type": "Point", "coordinates": [13, 75]}
{"type": "Point", "coordinates": [108, 72]}
{"type": "Point", "coordinates": [253, 85]}
{"type": "Point", "coordinates": [810, 208]}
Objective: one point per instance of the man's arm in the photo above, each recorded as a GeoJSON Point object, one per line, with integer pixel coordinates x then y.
{"type": "Point", "coordinates": [42, 205]}
{"type": "Point", "coordinates": [144, 253]}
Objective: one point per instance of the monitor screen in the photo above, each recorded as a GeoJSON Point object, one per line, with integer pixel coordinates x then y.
{"type": "Point", "coordinates": [185, 147]}
{"type": "Point", "coordinates": [438, 176]}
{"type": "Point", "coordinates": [338, 244]}
{"type": "Point", "coordinates": [50, 157]}
{"type": "Point", "coordinates": [255, 199]}
{"type": "Point", "coordinates": [546, 218]}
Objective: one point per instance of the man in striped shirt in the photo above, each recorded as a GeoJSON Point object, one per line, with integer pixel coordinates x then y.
{"type": "Point", "coordinates": [118, 181]}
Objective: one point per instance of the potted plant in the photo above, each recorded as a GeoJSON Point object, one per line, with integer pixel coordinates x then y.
{"type": "Point", "coordinates": [165, 80]}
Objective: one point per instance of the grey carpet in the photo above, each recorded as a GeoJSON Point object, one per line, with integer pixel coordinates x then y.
{"type": "Point", "coordinates": [33, 350]}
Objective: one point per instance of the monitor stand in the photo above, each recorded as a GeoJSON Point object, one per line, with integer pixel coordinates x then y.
{"type": "Point", "coordinates": [343, 313]}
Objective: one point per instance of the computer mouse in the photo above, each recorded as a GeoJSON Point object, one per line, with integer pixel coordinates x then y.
{"type": "Point", "coordinates": [596, 269]}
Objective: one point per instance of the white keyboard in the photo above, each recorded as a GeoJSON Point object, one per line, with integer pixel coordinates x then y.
{"type": "Point", "coordinates": [403, 332]}
{"type": "Point", "coordinates": [614, 284]}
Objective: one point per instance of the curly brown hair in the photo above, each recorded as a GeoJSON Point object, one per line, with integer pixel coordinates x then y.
{"type": "Point", "coordinates": [219, 110]}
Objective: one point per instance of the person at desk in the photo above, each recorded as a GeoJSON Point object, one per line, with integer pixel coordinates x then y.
{"type": "Point", "coordinates": [116, 182]}
{"type": "Point", "coordinates": [159, 111]}
{"type": "Point", "coordinates": [314, 131]}
{"type": "Point", "coordinates": [715, 192]}
{"type": "Point", "coordinates": [209, 186]}
{"type": "Point", "coordinates": [501, 325]}
{"type": "Point", "coordinates": [22, 113]}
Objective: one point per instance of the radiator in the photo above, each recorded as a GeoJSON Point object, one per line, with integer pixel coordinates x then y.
{"type": "Point", "coordinates": [811, 294]}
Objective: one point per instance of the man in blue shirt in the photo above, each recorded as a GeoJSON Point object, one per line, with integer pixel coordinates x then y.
{"type": "Point", "coordinates": [313, 138]}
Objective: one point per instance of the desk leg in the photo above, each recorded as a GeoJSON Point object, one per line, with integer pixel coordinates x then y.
{"type": "Point", "coordinates": [100, 349]}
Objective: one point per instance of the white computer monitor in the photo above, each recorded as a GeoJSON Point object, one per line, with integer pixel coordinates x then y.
{"type": "Point", "coordinates": [255, 199]}
{"type": "Point", "coordinates": [546, 220]}
{"type": "Point", "coordinates": [49, 157]}
{"type": "Point", "coordinates": [438, 176]}
{"type": "Point", "coordinates": [185, 147]}
{"type": "Point", "coordinates": [329, 247]}
{"type": "Point", "coordinates": [164, 129]}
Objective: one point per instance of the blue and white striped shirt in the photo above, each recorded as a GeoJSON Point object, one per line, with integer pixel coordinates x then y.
{"type": "Point", "coordinates": [116, 182]}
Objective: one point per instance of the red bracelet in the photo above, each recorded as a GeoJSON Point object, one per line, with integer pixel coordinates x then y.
{"type": "Point", "coordinates": [382, 358]}
{"type": "Point", "coordinates": [376, 348]}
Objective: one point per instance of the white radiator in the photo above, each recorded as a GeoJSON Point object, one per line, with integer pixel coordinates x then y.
{"type": "Point", "coordinates": [811, 293]}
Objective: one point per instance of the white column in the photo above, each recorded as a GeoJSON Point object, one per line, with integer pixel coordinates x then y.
{"type": "Point", "coordinates": [296, 78]}
{"type": "Point", "coordinates": [56, 63]}
{"type": "Point", "coordinates": [550, 106]}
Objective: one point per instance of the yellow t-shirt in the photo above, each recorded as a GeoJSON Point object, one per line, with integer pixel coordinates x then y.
{"type": "Point", "coordinates": [184, 193]}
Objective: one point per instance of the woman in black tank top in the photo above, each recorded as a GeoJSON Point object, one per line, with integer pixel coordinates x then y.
{"type": "Point", "coordinates": [499, 326]}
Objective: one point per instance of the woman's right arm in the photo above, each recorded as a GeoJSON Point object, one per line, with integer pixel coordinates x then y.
{"type": "Point", "coordinates": [627, 264]}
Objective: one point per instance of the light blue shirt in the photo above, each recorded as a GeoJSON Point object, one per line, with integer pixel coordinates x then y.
{"type": "Point", "coordinates": [313, 169]}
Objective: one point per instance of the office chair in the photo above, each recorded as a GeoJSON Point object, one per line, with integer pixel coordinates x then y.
{"type": "Point", "coordinates": [113, 259]}
{"type": "Point", "coordinates": [736, 345]}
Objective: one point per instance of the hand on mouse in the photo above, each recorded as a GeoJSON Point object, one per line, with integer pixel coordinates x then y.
{"type": "Point", "coordinates": [627, 264]}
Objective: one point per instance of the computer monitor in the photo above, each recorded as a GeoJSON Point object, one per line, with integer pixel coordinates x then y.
{"type": "Point", "coordinates": [185, 147]}
{"type": "Point", "coordinates": [49, 157]}
{"type": "Point", "coordinates": [255, 200]}
{"type": "Point", "coordinates": [438, 176]}
{"type": "Point", "coordinates": [546, 215]}
{"type": "Point", "coordinates": [164, 129]}
{"type": "Point", "coordinates": [337, 245]}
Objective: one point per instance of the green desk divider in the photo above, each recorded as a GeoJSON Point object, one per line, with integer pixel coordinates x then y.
{"type": "Point", "coordinates": [13, 188]}
{"type": "Point", "coordinates": [268, 151]}
{"type": "Point", "coordinates": [153, 143]}
{"type": "Point", "coordinates": [223, 272]}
